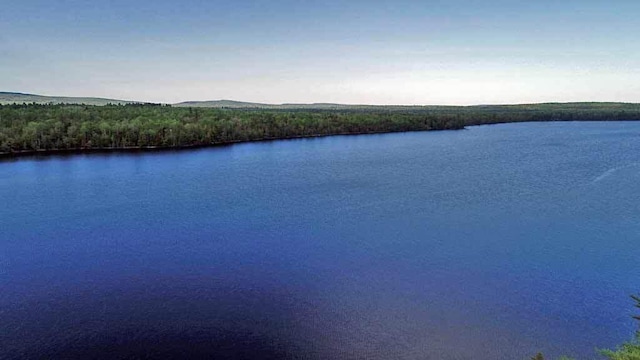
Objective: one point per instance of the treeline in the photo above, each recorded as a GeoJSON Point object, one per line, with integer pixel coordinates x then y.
{"type": "Point", "coordinates": [62, 127]}
{"type": "Point", "coordinates": [34, 127]}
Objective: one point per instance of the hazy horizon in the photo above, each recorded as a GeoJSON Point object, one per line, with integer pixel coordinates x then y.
{"type": "Point", "coordinates": [377, 52]}
{"type": "Point", "coordinates": [306, 103]}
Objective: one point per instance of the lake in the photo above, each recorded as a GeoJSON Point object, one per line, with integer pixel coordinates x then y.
{"type": "Point", "coordinates": [494, 242]}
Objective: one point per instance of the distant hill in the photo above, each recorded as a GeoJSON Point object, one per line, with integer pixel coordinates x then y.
{"type": "Point", "coordinates": [19, 98]}
{"type": "Point", "coordinates": [232, 104]}
{"type": "Point", "coordinates": [458, 109]}
{"type": "Point", "coordinates": [576, 107]}
{"type": "Point", "coordinates": [223, 104]}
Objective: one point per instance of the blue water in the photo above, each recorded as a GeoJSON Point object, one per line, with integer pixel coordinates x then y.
{"type": "Point", "coordinates": [494, 242]}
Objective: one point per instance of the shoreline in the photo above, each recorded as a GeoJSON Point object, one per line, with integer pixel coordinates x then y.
{"type": "Point", "coordinates": [7, 156]}
{"type": "Point", "coordinates": [150, 149]}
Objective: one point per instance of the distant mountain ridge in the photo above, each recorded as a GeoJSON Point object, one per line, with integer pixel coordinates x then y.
{"type": "Point", "coordinates": [232, 104]}
{"type": "Point", "coordinates": [19, 98]}
{"type": "Point", "coordinates": [222, 103]}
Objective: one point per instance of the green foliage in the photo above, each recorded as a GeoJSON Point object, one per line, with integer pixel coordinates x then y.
{"type": "Point", "coordinates": [630, 350]}
{"type": "Point", "coordinates": [627, 351]}
{"type": "Point", "coordinates": [33, 127]}
{"type": "Point", "coordinates": [51, 127]}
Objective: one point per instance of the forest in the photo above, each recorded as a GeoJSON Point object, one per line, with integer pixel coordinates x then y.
{"type": "Point", "coordinates": [42, 128]}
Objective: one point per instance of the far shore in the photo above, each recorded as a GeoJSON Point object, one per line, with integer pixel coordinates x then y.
{"type": "Point", "coordinates": [135, 149]}
{"type": "Point", "coordinates": [57, 129]}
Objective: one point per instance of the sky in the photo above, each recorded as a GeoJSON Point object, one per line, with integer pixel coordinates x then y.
{"type": "Point", "coordinates": [457, 52]}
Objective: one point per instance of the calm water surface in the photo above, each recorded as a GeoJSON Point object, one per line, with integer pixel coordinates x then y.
{"type": "Point", "coordinates": [490, 243]}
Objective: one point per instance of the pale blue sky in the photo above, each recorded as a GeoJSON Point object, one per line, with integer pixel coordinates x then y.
{"type": "Point", "coordinates": [375, 52]}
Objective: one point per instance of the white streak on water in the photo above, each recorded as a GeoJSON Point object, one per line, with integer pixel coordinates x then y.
{"type": "Point", "coordinates": [611, 172]}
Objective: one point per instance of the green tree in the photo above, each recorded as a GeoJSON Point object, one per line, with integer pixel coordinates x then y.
{"type": "Point", "coordinates": [629, 350]}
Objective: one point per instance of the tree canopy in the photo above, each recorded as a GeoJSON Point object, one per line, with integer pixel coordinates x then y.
{"type": "Point", "coordinates": [59, 127]}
